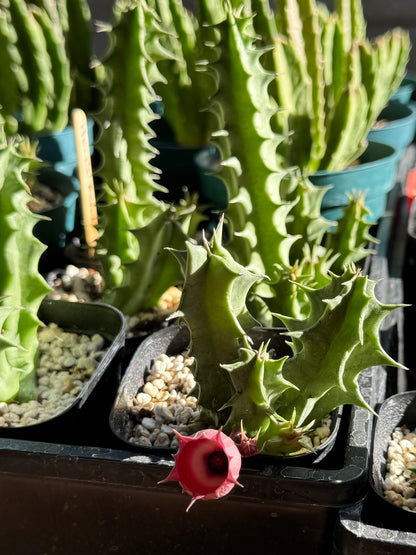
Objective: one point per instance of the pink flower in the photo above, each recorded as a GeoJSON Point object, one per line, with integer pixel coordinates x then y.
{"type": "Point", "coordinates": [207, 465]}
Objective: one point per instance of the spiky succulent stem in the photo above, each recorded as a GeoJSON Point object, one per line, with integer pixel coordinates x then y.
{"type": "Point", "coordinates": [274, 214]}
{"type": "Point", "coordinates": [46, 49]}
{"type": "Point", "coordinates": [331, 80]}
{"type": "Point", "coordinates": [135, 226]}
{"type": "Point", "coordinates": [185, 92]}
{"type": "Point", "coordinates": [22, 288]}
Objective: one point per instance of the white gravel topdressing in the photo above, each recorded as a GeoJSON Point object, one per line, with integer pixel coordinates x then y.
{"type": "Point", "coordinates": [400, 480]}
{"type": "Point", "coordinates": [164, 404]}
{"type": "Point", "coordinates": [66, 362]}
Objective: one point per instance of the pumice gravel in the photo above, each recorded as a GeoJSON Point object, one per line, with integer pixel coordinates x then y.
{"type": "Point", "coordinates": [164, 404]}
{"type": "Point", "coordinates": [400, 480]}
{"type": "Point", "coordinates": [67, 360]}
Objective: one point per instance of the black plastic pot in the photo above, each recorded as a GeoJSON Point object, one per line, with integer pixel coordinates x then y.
{"type": "Point", "coordinates": [336, 476]}
{"type": "Point", "coordinates": [175, 340]}
{"type": "Point", "coordinates": [397, 410]}
{"type": "Point", "coordinates": [377, 526]}
{"type": "Point", "coordinates": [87, 318]}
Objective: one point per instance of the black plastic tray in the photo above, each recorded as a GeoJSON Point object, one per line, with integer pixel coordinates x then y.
{"type": "Point", "coordinates": [92, 495]}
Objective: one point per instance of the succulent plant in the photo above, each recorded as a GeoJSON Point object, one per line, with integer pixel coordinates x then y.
{"type": "Point", "coordinates": [22, 288]}
{"type": "Point", "coordinates": [332, 82]}
{"type": "Point", "coordinates": [277, 399]}
{"type": "Point", "coordinates": [184, 92]}
{"type": "Point", "coordinates": [135, 226]}
{"type": "Point", "coordinates": [46, 70]}
{"type": "Point", "coordinates": [274, 217]}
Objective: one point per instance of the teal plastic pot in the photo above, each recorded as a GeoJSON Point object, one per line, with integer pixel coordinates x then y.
{"type": "Point", "coordinates": [375, 175]}
{"type": "Point", "coordinates": [61, 219]}
{"type": "Point", "coordinates": [399, 128]}
{"type": "Point", "coordinates": [58, 148]}
{"type": "Point", "coordinates": [213, 188]}
{"type": "Point", "coordinates": [406, 90]}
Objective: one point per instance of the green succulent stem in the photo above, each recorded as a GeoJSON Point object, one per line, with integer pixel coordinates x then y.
{"type": "Point", "coordinates": [22, 288]}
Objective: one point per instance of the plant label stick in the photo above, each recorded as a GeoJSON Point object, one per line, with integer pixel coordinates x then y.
{"type": "Point", "coordinates": [87, 193]}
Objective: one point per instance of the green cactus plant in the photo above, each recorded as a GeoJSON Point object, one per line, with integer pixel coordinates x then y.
{"type": "Point", "coordinates": [277, 400]}
{"type": "Point", "coordinates": [332, 82]}
{"type": "Point", "coordinates": [46, 50]}
{"type": "Point", "coordinates": [274, 214]}
{"type": "Point", "coordinates": [184, 93]}
{"type": "Point", "coordinates": [134, 225]}
{"type": "Point", "coordinates": [22, 288]}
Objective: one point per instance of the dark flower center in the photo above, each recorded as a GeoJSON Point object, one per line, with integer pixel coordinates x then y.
{"type": "Point", "coordinates": [218, 462]}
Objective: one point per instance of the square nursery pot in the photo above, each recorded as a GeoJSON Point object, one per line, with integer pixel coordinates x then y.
{"type": "Point", "coordinates": [378, 526]}
{"type": "Point", "coordinates": [173, 341]}
{"type": "Point", "coordinates": [71, 424]}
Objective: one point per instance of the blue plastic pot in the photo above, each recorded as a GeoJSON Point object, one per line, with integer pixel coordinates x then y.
{"type": "Point", "coordinates": [406, 90]}
{"type": "Point", "coordinates": [399, 129]}
{"type": "Point", "coordinates": [58, 148]}
{"type": "Point", "coordinates": [54, 231]}
{"type": "Point", "coordinates": [374, 175]}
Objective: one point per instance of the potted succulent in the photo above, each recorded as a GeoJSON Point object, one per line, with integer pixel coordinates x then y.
{"type": "Point", "coordinates": [33, 390]}
{"type": "Point", "coordinates": [264, 204]}
{"type": "Point", "coordinates": [134, 225]}
{"type": "Point", "coordinates": [331, 84]}
{"type": "Point", "coordinates": [284, 496]}
{"type": "Point", "coordinates": [265, 400]}
{"type": "Point", "coordinates": [50, 45]}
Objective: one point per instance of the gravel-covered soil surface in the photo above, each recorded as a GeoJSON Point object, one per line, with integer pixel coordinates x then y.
{"type": "Point", "coordinates": [165, 404]}
{"type": "Point", "coordinates": [400, 480]}
{"type": "Point", "coordinates": [66, 363]}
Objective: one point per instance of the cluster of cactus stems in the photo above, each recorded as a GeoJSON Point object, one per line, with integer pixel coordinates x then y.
{"type": "Point", "coordinates": [331, 81]}
{"type": "Point", "coordinates": [277, 399]}
{"type": "Point", "coordinates": [274, 213]}
{"type": "Point", "coordinates": [46, 49]}
{"type": "Point", "coordinates": [22, 288]}
{"type": "Point", "coordinates": [135, 226]}
{"type": "Point", "coordinates": [185, 39]}
{"type": "Point", "coordinates": [283, 254]}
